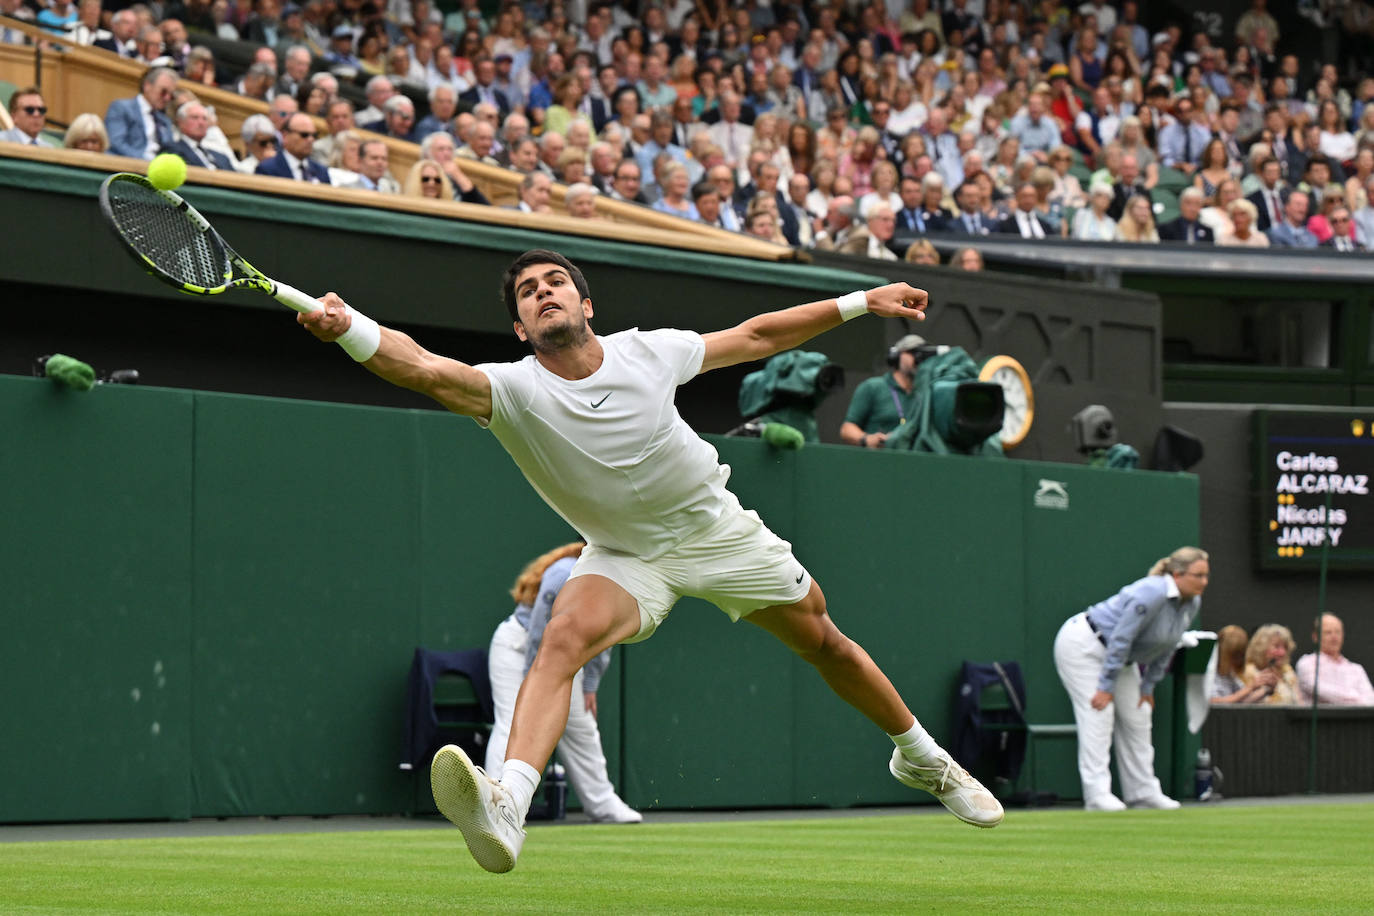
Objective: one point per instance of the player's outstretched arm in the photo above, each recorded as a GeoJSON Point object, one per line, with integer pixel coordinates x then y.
{"type": "Point", "coordinates": [401, 361]}
{"type": "Point", "coordinates": [772, 332]}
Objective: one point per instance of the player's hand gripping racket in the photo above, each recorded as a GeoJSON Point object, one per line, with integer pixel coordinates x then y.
{"type": "Point", "coordinates": [174, 243]}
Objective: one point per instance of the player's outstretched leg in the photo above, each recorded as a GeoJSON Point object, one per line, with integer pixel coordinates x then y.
{"type": "Point", "coordinates": [479, 806]}
{"type": "Point", "coordinates": [918, 761]}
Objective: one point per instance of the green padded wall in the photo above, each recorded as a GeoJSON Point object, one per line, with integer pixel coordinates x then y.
{"type": "Point", "coordinates": [95, 562]}
{"type": "Point", "coordinates": [252, 575]}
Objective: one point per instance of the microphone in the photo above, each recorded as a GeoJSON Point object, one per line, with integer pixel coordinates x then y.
{"type": "Point", "coordinates": [69, 371]}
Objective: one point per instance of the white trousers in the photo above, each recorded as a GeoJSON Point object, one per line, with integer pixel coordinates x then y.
{"type": "Point", "coordinates": [1078, 656]}
{"type": "Point", "coordinates": [579, 750]}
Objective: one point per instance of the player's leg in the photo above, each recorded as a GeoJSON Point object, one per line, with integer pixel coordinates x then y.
{"type": "Point", "coordinates": [580, 751]}
{"type": "Point", "coordinates": [1078, 657]}
{"type": "Point", "coordinates": [1135, 749]}
{"type": "Point", "coordinates": [506, 668]}
{"type": "Point", "coordinates": [591, 614]}
{"type": "Point", "coordinates": [805, 627]}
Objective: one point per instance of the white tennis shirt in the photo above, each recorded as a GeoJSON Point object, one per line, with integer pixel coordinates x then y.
{"type": "Point", "coordinates": [609, 452]}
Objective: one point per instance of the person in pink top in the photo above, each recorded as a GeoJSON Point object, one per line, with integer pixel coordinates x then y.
{"type": "Point", "coordinates": [1342, 682]}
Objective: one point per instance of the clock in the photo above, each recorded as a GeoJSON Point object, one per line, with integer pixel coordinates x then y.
{"type": "Point", "coordinates": [1019, 410]}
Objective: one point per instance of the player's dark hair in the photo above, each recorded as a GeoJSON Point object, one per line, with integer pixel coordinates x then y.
{"type": "Point", "coordinates": [539, 256]}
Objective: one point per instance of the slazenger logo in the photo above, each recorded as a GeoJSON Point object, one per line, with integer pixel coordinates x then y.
{"type": "Point", "coordinates": [1052, 495]}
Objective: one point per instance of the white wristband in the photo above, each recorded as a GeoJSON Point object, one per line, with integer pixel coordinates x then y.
{"type": "Point", "coordinates": [362, 338]}
{"type": "Point", "coordinates": [852, 305]}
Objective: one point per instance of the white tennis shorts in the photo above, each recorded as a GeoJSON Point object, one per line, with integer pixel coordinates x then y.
{"type": "Point", "coordinates": [735, 563]}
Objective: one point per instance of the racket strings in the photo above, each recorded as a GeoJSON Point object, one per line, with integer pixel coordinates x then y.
{"type": "Point", "coordinates": [167, 238]}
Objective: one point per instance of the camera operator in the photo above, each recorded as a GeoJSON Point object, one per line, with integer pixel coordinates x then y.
{"type": "Point", "coordinates": [884, 402]}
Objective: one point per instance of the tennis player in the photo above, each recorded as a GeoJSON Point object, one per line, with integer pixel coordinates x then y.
{"type": "Point", "coordinates": [591, 423]}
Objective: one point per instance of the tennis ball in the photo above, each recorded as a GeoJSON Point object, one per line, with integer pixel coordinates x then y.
{"type": "Point", "coordinates": [167, 171]}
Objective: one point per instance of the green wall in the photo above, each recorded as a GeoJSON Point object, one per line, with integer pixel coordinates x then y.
{"type": "Point", "coordinates": [212, 601]}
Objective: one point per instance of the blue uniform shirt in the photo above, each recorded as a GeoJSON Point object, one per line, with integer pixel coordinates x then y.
{"type": "Point", "coordinates": [1142, 624]}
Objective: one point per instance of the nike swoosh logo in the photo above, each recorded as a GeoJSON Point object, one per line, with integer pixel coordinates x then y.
{"type": "Point", "coordinates": [800, 578]}
{"type": "Point", "coordinates": [602, 401]}
{"type": "Point", "coordinates": [508, 816]}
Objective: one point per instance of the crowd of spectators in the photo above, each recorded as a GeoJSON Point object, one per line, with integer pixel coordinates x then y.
{"type": "Point", "coordinates": [849, 126]}
{"type": "Point", "coordinates": [1260, 668]}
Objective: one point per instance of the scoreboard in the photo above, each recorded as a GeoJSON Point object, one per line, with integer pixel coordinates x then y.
{"type": "Point", "coordinates": [1312, 482]}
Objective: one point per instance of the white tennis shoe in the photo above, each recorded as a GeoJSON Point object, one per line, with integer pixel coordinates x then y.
{"type": "Point", "coordinates": [479, 806]}
{"type": "Point", "coordinates": [963, 795]}
{"type": "Point", "coordinates": [1160, 802]}
{"type": "Point", "coordinates": [617, 813]}
{"type": "Point", "coordinates": [1108, 802]}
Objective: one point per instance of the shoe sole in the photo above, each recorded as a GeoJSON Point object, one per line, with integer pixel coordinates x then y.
{"type": "Point", "coordinates": [453, 780]}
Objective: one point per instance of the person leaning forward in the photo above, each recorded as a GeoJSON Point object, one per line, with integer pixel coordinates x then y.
{"type": "Point", "coordinates": [884, 402]}
{"type": "Point", "coordinates": [574, 416]}
{"type": "Point", "coordinates": [1110, 657]}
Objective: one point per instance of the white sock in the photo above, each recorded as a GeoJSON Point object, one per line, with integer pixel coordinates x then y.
{"type": "Point", "coordinates": [916, 744]}
{"type": "Point", "coordinates": [520, 780]}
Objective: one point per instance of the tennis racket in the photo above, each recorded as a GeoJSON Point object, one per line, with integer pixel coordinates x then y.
{"type": "Point", "coordinates": [178, 246]}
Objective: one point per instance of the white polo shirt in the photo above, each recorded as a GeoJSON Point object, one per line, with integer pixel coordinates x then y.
{"type": "Point", "coordinates": [609, 453]}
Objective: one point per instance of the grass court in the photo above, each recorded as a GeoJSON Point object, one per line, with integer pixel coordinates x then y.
{"type": "Point", "coordinates": [1281, 858]}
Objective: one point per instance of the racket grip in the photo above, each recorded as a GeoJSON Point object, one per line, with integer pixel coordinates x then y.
{"type": "Point", "coordinates": [290, 296]}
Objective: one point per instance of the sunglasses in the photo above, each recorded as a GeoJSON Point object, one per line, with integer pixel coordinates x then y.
{"type": "Point", "coordinates": [430, 179]}
{"type": "Point", "coordinates": [305, 133]}
{"type": "Point", "coordinates": [35, 109]}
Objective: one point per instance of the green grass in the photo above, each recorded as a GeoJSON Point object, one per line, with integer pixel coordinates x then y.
{"type": "Point", "coordinates": [1289, 859]}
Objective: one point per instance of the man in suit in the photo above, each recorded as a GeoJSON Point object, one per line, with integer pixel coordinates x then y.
{"type": "Point", "coordinates": [1128, 184]}
{"type": "Point", "coordinates": [970, 219]}
{"type": "Point", "coordinates": [484, 89]}
{"type": "Point", "coordinates": [295, 70]}
{"type": "Point", "coordinates": [194, 122]}
{"type": "Point", "coordinates": [723, 177]}
{"type": "Point", "coordinates": [138, 128]}
{"type": "Point", "coordinates": [1186, 228]}
{"type": "Point", "coordinates": [1292, 232]}
{"type": "Point", "coordinates": [910, 219]}
{"type": "Point", "coordinates": [294, 162]}
{"type": "Point", "coordinates": [1182, 142]}
{"type": "Point", "coordinates": [1341, 239]}
{"type": "Point", "coordinates": [1271, 196]}
{"type": "Point", "coordinates": [123, 29]}
{"type": "Point", "coordinates": [264, 26]}
{"type": "Point", "coordinates": [766, 175]}
{"type": "Point", "coordinates": [374, 163]}
{"type": "Point", "coordinates": [625, 185]}
{"type": "Point", "coordinates": [1024, 221]}
{"type": "Point", "coordinates": [443, 105]}
{"type": "Point", "coordinates": [882, 111]}
{"type": "Point", "coordinates": [29, 113]}
{"type": "Point", "coordinates": [398, 119]}
{"type": "Point", "coordinates": [597, 98]}
{"type": "Point", "coordinates": [871, 238]}
{"type": "Point", "coordinates": [685, 126]}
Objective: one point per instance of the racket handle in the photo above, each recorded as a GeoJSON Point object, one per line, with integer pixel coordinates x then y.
{"type": "Point", "coordinates": [290, 296]}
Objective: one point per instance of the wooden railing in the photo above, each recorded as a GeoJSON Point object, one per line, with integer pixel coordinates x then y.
{"type": "Point", "coordinates": [721, 243]}
{"type": "Point", "coordinates": [75, 79]}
